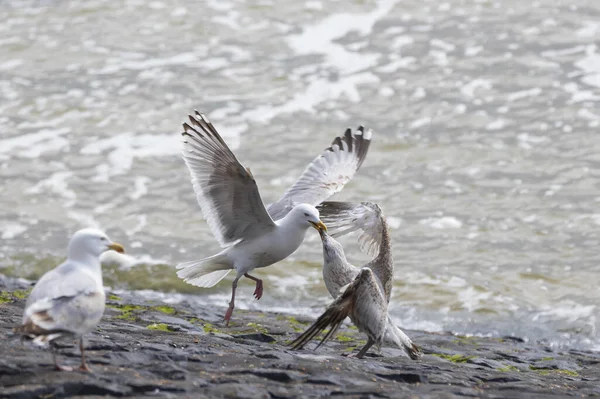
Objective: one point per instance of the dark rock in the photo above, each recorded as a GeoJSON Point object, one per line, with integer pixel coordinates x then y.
{"type": "Point", "coordinates": [403, 377]}
{"type": "Point", "coordinates": [203, 359]}
{"type": "Point", "coordinates": [260, 337]}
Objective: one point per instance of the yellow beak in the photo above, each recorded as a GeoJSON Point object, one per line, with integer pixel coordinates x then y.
{"type": "Point", "coordinates": [117, 247]}
{"type": "Point", "coordinates": [319, 226]}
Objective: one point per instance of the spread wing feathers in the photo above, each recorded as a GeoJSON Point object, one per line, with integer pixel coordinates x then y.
{"type": "Point", "coordinates": [227, 192]}
{"type": "Point", "coordinates": [51, 318]}
{"type": "Point", "coordinates": [346, 217]}
{"type": "Point", "coordinates": [327, 174]}
{"type": "Point", "coordinates": [363, 301]}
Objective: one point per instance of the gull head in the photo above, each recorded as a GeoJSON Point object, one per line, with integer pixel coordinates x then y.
{"type": "Point", "coordinates": [91, 242]}
{"type": "Point", "coordinates": [309, 215]}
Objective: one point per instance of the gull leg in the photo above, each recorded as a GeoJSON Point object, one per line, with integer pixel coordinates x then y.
{"type": "Point", "coordinates": [232, 302]}
{"type": "Point", "coordinates": [83, 366]}
{"type": "Point", "coordinates": [56, 365]}
{"type": "Point", "coordinates": [365, 348]}
{"type": "Point", "coordinates": [259, 286]}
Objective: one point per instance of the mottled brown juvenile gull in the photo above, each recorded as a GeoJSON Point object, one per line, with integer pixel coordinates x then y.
{"type": "Point", "coordinates": [68, 301]}
{"type": "Point", "coordinates": [251, 234]}
{"type": "Point", "coordinates": [343, 218]}
{"type": "Point", "coordinates": [364, 302]}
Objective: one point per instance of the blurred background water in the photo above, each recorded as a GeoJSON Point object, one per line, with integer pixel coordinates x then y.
{"type": "Point", "coordinates": [486, 155]}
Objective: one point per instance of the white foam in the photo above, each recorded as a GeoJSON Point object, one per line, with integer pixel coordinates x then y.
{"type": "Point", "coordinates": [11, 230]}
{"type": "Point", "coordinates": [496, 125]}
{"type": "Point", "coordinates": [446, 222]}
{"type": "Point", "coordinates": [468, 89]}
{"type": "Point", "coordinates": [118, 64]}
{"type": "Point", "coordinates": [442, 45]}
{"type": "Point", "coordinates": [11, 64]}
{"type": "Point", "coordinates": [127, 146]}
{"type": "Point", "coordinates": [590, 29]}
{"type": "Point", "coordinates": [317, 92]}
{"type": "Point", "coordinates": [35, 144]}
{"type": "Point", "coordinates": [590, 64]}
{"type": "Point", "coordinates": [536, 91]}
{"type": "Point", "coordinates": [56, 184]}
{"type": "Point", "coordinates": [319, 38]}
{"type": "Point", "coordinates": [140, 187]}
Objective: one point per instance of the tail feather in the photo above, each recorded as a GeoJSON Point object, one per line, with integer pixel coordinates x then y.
{"type": "Point", "coordinates": [333, 317]}
{"type": "Point", "coordinates": [396, 336]}
{"type": "Point", "coordinates": [206, 272]}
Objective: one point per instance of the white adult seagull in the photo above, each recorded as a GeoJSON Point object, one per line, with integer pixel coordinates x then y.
{"type": "Point", "coordinates": [254, 236]}
{"type": "Point", "coordinates": [68, 301]}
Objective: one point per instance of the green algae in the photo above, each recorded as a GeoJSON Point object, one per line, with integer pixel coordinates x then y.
{"type": "Point", "coordinates": [127, 311]}
{"type": "Point", "coordinates": [458, 358]}
{"type": "Point", "coordinates": [5, 297]}
{"type": "Point", "coordinates": [12, 296]}
{"type": "Point", "coordinates": [546, 371]}
{"type": "Point", "coordinates": [509, 368]}
{"type": "Point", "coordinates": [209, 328]}
{"type": "Point", "coordinates": [164, 309]}
{"type": "Point", "coordinates": [257, 328]}
{"type": "Point", "coordinates": [342, 337]}
{"type": "Point", "coordinates": [160, 327]}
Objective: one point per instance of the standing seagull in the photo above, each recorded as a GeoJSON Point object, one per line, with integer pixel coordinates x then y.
{"type": "Point", "coordinates": [343, 218]}
{"type": "Point", "coordinates": [69, 300]}
{"type": "Point", "coordinates": [254, 236]}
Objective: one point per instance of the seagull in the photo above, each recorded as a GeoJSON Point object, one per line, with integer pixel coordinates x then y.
{"type": "Point", "coordinates": [251, 234]}
{"type": "Point", "coordinates": [68, 301]}
{"type": "Point", "coordinates": [343, 218]}
{"type": "Point", "coordinates": [364, 301]}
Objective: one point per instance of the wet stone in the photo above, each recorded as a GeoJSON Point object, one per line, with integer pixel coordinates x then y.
{"type": "Point", "coordinates": [252, 360]}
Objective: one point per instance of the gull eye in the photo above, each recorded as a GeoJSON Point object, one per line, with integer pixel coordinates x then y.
{"type": "Point", "coordinates": [306, 214]}
{"type": "Point", "coordinates": [102, 238]}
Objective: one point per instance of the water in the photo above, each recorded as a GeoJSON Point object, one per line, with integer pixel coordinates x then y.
{"type": "Point", "coordinates": [486, 157]}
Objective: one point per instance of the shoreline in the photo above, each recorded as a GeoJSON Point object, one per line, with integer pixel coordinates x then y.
{"type": "Point", "coordinates": [149, 348]}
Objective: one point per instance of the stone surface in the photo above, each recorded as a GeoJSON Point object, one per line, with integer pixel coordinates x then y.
{"type": "Point", "coordinates": [151, 349]}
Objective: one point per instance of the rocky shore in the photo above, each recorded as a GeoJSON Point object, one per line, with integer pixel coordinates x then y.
{"type": "Point", "coordinates": [149, 349]}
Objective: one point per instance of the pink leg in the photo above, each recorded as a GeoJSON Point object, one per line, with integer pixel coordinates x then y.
{"type": "Point", "coordinates": [83, 366]}
{"type": "Point", "coordinates": [231, 303]}
{"type": "Point", "coordinates": [259, 286]}
{"type": "Point", "coordinates": [58, 366]}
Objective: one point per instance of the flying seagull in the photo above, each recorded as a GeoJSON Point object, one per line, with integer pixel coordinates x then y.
{"type": "Point", "coordinates": [251, 234]}
{"type": "Point", "coordinates": [343, 218]}
{"type": "Point", "coordinates": [68, 301]}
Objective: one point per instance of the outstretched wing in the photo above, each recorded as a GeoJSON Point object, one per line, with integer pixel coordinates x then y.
{"type": "Point", "coordinates": [327, 174]}
{"type": "Point", "coordinates": [346, 217]}
{"type": "Point", "coordinates": [226, 191]}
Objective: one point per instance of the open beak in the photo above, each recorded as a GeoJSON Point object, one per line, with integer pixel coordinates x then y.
{"type": "Point", "coordinates": [117, 247]}
{"type": "Point", "coordinates": [320, 226]}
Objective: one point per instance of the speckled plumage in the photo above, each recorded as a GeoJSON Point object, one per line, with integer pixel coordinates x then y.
{"type": "Point", "coordinates": [342, 218]}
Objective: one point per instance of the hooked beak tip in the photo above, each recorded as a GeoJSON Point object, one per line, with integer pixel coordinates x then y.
{"type": "Point", "coordinates": [320, 226]}
{"type": "Point", "coordinates": [117, 247]}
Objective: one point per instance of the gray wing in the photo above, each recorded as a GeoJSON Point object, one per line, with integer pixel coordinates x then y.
{"type": "Point", "coordinates": [327, 174]}
{"type": "Point", "coordinates": [369, 312]}
{"type": "Point", "coordinates": [76, 314]}
{"type": "Point", "coordinates": [64, 300]}
{"type": "Point", "coordinates": [226, 191]}
{"type": "Point", "coordinates": [346, 217]}
{"type": "Point", "coordinates": [64, 280]}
